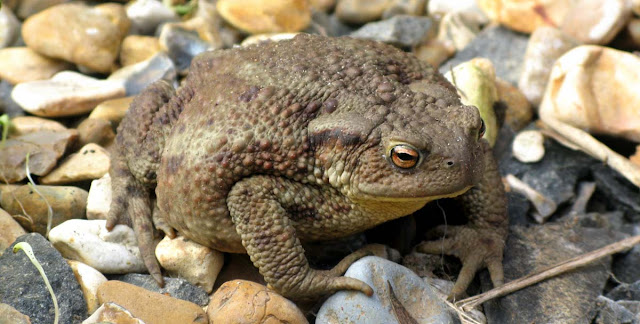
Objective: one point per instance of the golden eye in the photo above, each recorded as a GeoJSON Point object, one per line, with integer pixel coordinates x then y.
{"type": "Point", "coordinates": [404, 156]}
{"type": "Point", "coordinates": [483, 128]}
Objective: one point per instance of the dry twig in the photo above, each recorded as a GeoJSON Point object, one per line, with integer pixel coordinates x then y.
{"type": "Point", "coordinates": [588, 144]}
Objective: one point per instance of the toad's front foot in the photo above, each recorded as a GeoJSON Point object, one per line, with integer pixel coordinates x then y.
{"type": "Point", "coordinates": [475, 247]}
{"type": "Point", "coordinates": [312, 284]}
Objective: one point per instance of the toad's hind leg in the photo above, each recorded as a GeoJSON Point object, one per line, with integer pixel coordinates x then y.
{"type": "Point", "coordinates": [134, 164]}
{"type": "Point", "coordinates": [258, 206]}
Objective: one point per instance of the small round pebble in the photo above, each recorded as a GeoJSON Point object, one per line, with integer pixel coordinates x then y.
{"type": "Point", "coordinates": [528, 146]}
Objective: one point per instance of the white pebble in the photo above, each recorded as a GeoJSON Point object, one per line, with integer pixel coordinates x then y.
{"type": "Point", "coordinates": [528, 146]}
{"type": "Point", "coordinates": [88, 241]}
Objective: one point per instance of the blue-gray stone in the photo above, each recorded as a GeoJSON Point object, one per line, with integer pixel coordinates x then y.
{"type": "Point", "coordinates": [138, 76]}
{"type": "Point", "coordinates": [402, 30]}
{"type": "Point", "coordinates": [22, 287]}
{"type": "Point", "coordinates": [413, 292]}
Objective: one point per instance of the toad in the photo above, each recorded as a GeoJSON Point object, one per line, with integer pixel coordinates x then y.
{"type": "Point", "coordinates": [315, 138]}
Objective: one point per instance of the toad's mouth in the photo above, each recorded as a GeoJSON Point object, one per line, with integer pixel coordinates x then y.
{"type": "Point", "coordinates": [426, 199]}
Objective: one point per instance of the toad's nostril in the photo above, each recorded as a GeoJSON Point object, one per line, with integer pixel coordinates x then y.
{"type": "Point", "coordinates": [449, 163]}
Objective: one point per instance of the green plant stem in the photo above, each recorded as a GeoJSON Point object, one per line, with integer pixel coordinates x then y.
{"type": "Point", "coordinates": [26, 247]}
{"type": "Point", "coordinates": [32, 185]}
{"type": "Point", "coordinates": [4, 121]}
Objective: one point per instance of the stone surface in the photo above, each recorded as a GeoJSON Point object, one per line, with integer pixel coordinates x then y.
{"type": "Point", "coordinates": [99, 199]}
{"type": "Point", "coordinates": [405, 7]}
{"type": "Point", "coordinates": [246, 302]}
{"type": "Point", "coordinates": [433, 52]}
{"type": "Point", "coordinates": [22, 64]}
{"type": "Point", "coordinates": [412, 292]}
{"type": "Point", "coordinates": [625, 292]}
{"type": "Point", "coordinates": [361, 11]}
{"type": "Point", "coordinates": [147, 15]}
{"type": "Point", "coordinates": [555, 176]}
{"type": "Point", "coordinates": [403, 30]}
{"type": "Point", "coordinates": [10, 315]}
{"type": "Point", "coordinates": [23, 288]}
{"type": "Point", "coordinates": [619, 192]}
{"type": "Point", "coordinates": [456, 31]}
{"type": "Point", "coordinates": [257, 17]}
{"type": "Point", "coordinates": [138, 76]}
{"type": "Point", "coordinates": [44, 149]}
{"type": "Point", "coordinates": [112, 313]}
{"type": "Point", "coordinates": [181, 45]}
{"type": "Point", "coordinates": [7, 105]}
{"type": "Point", "coordinates": [329, 24]}
{"type": "Point", "coordinates": [322, 5]}
{"type": "Point", "coordinates": [527, 16]}
{"type": "Point", "coordinates": [183, 258]}
{"type": "Point", "coordinates": [89, 242]}
{"type": "Point", "coordinates": [545, 46]}
{"type": "Point", "coordinates": [625, 265]}
{"type": "Point", "coordinates": [499, 45]}
{"type": "Point", "coordinates": [136, 48]}
{"type": "Point", "coordinates": [29, 124]}
{"type": "Point", "coordinates": [173, 287]}
{"type": "Point", "coordinates": [468, 8]}
{"type": "Point", "coordinates": [89, 279]}
{"type": "Point", "coordinates": [610, 312]}
{"type": "Point", "coordinates": [27, 8]}
{"type": "Point", "coordinates": [80, 34]}
{"type": "Point", "coordinates": [66, 203]}
{"type": "Point", "coordinates": [112, 110]}
{"type": "Point", "coordinates": [519, 111]}
{"type": "Point", "coordinates": [597, 81]}
{"type": "Point", "coordinates": [567, 298]}
{"type": "Point", "coordinates": [9, 27]}
{"type": "Point", "coordinates": [149, 306]}
{"type": "Point", "coordinates": [10, 230]}
{"type": "Point", "coordinates": [596, 21]}
{"type": "Point", "coordinates": [65, 94]}
{"type": "Point", "coordinates": [89, 163]}
{"type": "Point", "coordinates": [528, 146]}
{"type": "Point", "coordinates": [95, 130]}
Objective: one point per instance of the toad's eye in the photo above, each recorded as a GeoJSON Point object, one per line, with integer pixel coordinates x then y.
{"type": "Point", "coordinates": [404, 156]}
{"type": "Point", "coordinates": [483, 128]}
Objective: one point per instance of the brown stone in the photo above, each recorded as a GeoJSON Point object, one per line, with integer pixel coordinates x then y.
{"type": "Point", "coordinates": [137, 48]}
{"type": "Point", "coordinates": [66, 203]}
{"type": "Point", "coordinates": [596, 21]}
{"type": "Point", "coordinates": [361, 11]}
{"type": "Point", "coordinates": [112, 110]}
{"type": "Point", "coordinates": [22, 125]}
{"type": "Point", "coordinates": [10, 315]}
{"type": "Point", "coordinates": [257, 16]}
{"type": "Point", "coordinates": [150, 307]}
{"type": "Point", "coordinates": [22, 64]}
{"type": "Point", "coordinates": [545, 46]}
{"type": "Point", "coordinates": [95, 130]}
{"type": "Point", "coordinates": [74, 32]}
{"type": "Point", "coordinates": [9, 230]}
{"type": "Point", "coordinates": [89, 163]}
{"type": "Point", "coordinates": [519, 111]}
{"type": "Point", "coordinates": [526, 16]}
{"type": "Point", "coordinates": [44, 149]}
{"type": "Point", "coordinates": [595, 88]}
{"type": "Point", "coordinates": [247, 302]}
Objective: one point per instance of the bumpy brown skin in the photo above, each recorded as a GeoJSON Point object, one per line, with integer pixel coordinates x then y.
{"type": "Point", "coordinates": [270, 145]}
